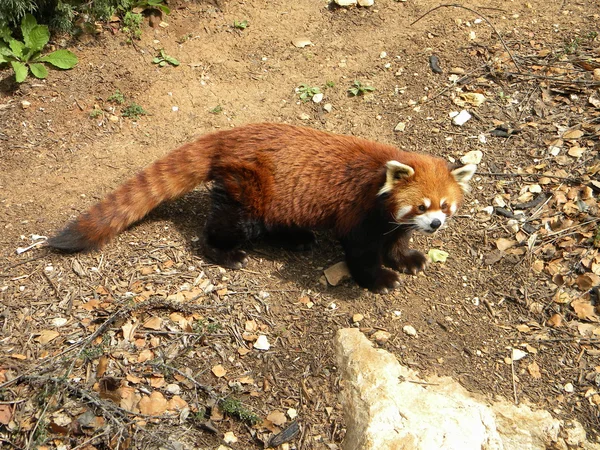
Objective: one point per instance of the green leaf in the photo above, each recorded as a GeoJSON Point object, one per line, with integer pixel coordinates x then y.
{"type": "Point", "coordinates": [27, 24]}
{"type": "Point", "coordinates": [16, 47]}
{"type": "Point", "coordinates": [20, 71]}
{"type": "Point", "coordinates": [63, 59]}
{"type": "Point", "coordinates": [5, 53]}
{"type": "Point", "coordinates": [172, 60]}
{"type": "Point", "coordinates": [5, 33]}
{"type": "Point", "coordinates": [436, 255]}
{"type": "Point", "coordinates": [162, 63]}
{"type": "Point", "coordinates": [165, 9]}
{"type": "Point", "coordinates": [38, 70]}
{"type": "Point", "coordinates": [37, 37]}
{"type": "Point", "coordinates": [156, 60]}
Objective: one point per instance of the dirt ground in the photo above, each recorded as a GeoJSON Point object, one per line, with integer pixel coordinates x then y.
{"type": "Point", "coordinates": [93, 346]}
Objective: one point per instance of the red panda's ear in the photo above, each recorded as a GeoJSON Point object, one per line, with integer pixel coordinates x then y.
{"type": "Point", "coordinates": [463, 174]}
{"type": "Point", "coordinates": [395, 171]}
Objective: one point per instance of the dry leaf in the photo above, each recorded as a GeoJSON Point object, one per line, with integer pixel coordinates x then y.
{"type": "Point", "coordinates": [153, 405]}
{"type": "Point", "coordinates": [102, 365]}
{"type": "Point", "coordinates": [145, 355]}
{"type": "Point", "coordinates": [277, 417]}
{"type": "Point", "coordinates": [128, 330]}
{"type": "Point", "coordinates": [572, 134]}
{"type": "Point", "coordinates": [47, 336]}
{"type": "Point", "coordinates": [534, 370]}
{"type": "Point", "coordinates": [154, 323]}
{"type": "Point", "coordinates": [584, 309]}
{"type": "Point", "coordinates": [504, 244]}
{"type": "Point", "coordinates": [219, 371]}
{"type": "Point", "coordinates": [5, 414]}
{"type": "Point", "coordinates": [176, 404]}
{"type": "Point", "coordinates": [555, 321]}
{"type": "Point", "coordinates": [587, 281]}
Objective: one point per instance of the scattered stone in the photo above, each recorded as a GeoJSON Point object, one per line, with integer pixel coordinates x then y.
{"type": "Point", "coordinates": [569, 388]}
{"type": "Point", "coordinates": [517, 354]}
{"type": "Point", "coordinates": [262, 343]}
{"type": "Point", "coordinates": [113, 118]}
{"type": "Point", "coordinates": [301, 42]}
{"type": "Point", "coordinates": [317, 98]}
{"type": "Point", "coordinates": [472, 157]}
{"type": "Point", "coordinates": [400, 127]}
{"type": "Point", "coordinates": [337, 273]}
{"type": "Point", "coordinates": [457, 71]}
{"type": "Point", "coordinates": [597, 74]}
{"type": "Point", "coordinates": [357, 317]}
{"type": "Point", "coordinates": [25, 104]}
{"type": "Point", "coordinates": [366, 2]}
{"type": "Point", "coordinates": [381, 336]}
{"type": "Point", "coordinates": [409, 330]}
{"type": "Point", "coordinates": [173, 388]}
{"type": "Point", "coordinates": [382, 54]}
{"type": "Point", "coordinates": [230, 438]}
{"type": "Point", "coordinates": [434, 63]}
{"type": "Point", "coordinates": [461, 118]}
{"type": "Point", "coordinates": [345, 2]}
{"type": "Point", "coordinates": [328, 107]}
{"type": "Point", "coordinates": [304, 116]}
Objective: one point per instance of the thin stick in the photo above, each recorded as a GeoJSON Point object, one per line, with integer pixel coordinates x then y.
{"type": "Point", "coordinates": [514, 381]}
{"type": "Point", "coordinates": [455, 5]}
{"type": "Point", "coordinates": [532, 175]}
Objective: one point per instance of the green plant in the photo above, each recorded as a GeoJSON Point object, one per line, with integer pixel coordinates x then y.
{"type": "Point", "coordinates": [26, 55]}
{"type": "Point", "coordinates": [163, 59]}
{"type": "Point", "coordinates": [131, 25]}
{"type": "Point", "coordinates": [117, 97]}
{"type": "Point", "coordinates": [234, 408]}
{"type": "Point", "coordinates": [358, 88]}
{"type": "Point", "coordinates": [133, 111]}
{"type": "Point", "coordinates": [152, 4]}
{"type": "Point", "coordinates": [307, 92]}
{"type": "Point", "coordinates": [95, 113]}
{"type": "Point", "coordinates": [240, 25]}
{"type": "Point", "coordinates": [329, 84]}
{"type": "Point", "coordinates": [216, 110]}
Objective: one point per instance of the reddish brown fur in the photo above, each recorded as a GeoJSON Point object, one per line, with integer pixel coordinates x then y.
{"type": "Point", "coordinates": [286, 175]}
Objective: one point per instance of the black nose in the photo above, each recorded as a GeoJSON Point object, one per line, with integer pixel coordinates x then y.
{"type": "Point", "coordinates": [435, 224]}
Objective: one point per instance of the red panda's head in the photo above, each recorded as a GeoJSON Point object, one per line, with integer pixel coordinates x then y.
{"type": "Point", "coordinates": [424, 193]}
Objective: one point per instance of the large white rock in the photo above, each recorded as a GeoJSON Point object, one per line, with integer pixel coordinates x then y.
{"type": "Point", "coordinates": [388, 407]}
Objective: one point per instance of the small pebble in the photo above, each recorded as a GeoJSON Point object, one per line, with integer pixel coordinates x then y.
{"type": "Point", "coordinates": [25, 104]}
{"type": "Point", "coordinates": [410, 330]}
{"type": "Point", "coordinates": [357, 317]}
{"type": "Point", "coordinates": [381, 337]}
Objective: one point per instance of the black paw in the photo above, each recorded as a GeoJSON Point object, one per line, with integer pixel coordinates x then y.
{"type": "Point", "coordinates": [412, 262]}
{"type": "Point", "coordinates": [232, 259]}
{"type": "Point", "coordinates": [385, 281]}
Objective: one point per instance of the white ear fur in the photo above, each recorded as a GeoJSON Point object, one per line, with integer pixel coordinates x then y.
{"type": "Point", "coordinates": [463, 174]}
{"type": "Point", "coordinates": [395, 172]}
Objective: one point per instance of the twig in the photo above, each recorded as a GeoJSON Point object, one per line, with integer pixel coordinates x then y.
{"type": "Point", "coordinates": [532, 175]}
{"type": "Point", "coordinates": [514, 381]}
{"type": "Point", "coordinates": [455, 5]}
{"type": "Point", "coordinates": [559, 80]}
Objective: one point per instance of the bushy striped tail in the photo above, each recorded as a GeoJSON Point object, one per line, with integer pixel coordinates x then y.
{"type": "Point", "coordinates": [168, 178]}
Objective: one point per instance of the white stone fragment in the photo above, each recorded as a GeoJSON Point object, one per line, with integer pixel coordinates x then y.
{"type": "Point", "coordinates": [409, 330]}
{"type": "Point", "coordinates": [262, 343]}
{"type": "Point", "coordinates": [366, 2]}
{"type": "Point", "coordinates": [517, 354]}
{"type": "Point", "coordinates": [472, 157]}
{"type": "Point", "coordinates": [461, 118]}
{"type": "Point", "coordinates": [317, 98]}
{"type": "Point", "coordinates": [345, 2]}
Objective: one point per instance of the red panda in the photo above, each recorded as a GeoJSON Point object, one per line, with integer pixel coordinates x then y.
{"type": "Point", "coordinates": [284, 182]}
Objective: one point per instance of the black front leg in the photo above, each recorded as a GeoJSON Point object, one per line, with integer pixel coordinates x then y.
{"type": "Point", "coordinates": [365, 264]}
{"type": "Point", "coordinates": [400, 257]}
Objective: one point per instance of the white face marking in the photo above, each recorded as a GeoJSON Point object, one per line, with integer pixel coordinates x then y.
{"type": "Point", "coordinates": [427, 202]}
{"type": "Point", "coordinates": [453, 208]}
{"type": "Point", "coordinates": [403, 212]}
{"type": "Point", "coordinates": [424, 221]}
{"type": "Point", "coordinates": [442, 201]}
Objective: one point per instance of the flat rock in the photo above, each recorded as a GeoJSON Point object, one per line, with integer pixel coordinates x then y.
{"type": "Point", "coordinates": [387, 406]}
{"type": "Point", "coordinates": [337, 273]}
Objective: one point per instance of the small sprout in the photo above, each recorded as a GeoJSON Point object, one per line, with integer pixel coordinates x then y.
{"type": "Point", "coordinates": [234, 408]}
{"type": "Point", "coordinates": [306, 92]}
{"type": "Point", "coordinates": [359, 89]}
{"type": "Point", "coordinates": [132, 25]}
{"type": "Point", "coordinates": [216, 110]}
{"type": "Point", "coordinates": [133, 111]}
{"type": "Point", "coordinates": [95, 113]}
{"type": "Point", "coordinates": [240, 25]}
{"type": "Point", "coordinates": [330, 84]}
{"type": "Point", "coordinates": [163, 59]}
{"type": "Point", "coordinates": [117, 97]}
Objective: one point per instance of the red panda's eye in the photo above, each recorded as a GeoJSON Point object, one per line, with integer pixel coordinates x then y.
{"type": "Point", "coordinates": [422, 208]}
{"type": "Point", "coordinates": [445, 207]}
